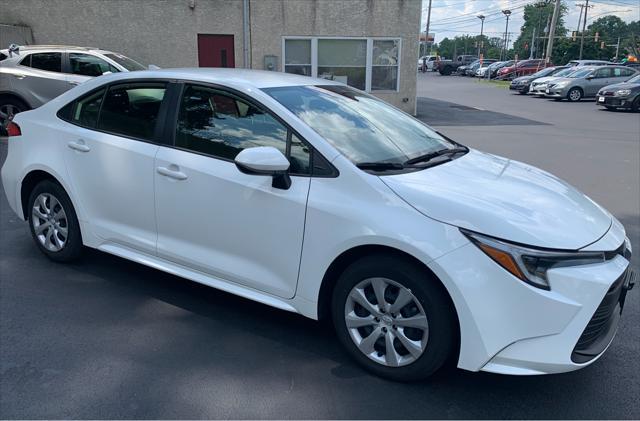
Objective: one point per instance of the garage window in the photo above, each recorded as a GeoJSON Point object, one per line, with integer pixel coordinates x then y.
{"type": "Point", "coordinates": [369, 64]}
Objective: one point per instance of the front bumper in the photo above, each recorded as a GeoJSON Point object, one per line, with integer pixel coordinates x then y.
{"type": "Point", "coordinates": [556, 92]}
{"type": "Point", "coordinates": [614, 101]}
{"type": "Point", "coordinates": [510, 327]}
{"type": "Point", "coordinates": [519, 87]}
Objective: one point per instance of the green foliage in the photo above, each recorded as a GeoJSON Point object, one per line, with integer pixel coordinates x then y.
{"type": "Point", "coordinates": [536, 16]}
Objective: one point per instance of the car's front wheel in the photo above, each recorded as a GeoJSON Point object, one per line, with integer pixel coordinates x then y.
{"type": "Point", "coordinates": [574, 94]}
{"type": "Point", "coordinates": [393, 317]}
{"type": "Point", "coordinates": [53, 222]}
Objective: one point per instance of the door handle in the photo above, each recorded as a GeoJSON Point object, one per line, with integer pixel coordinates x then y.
{"type": "Point", "coordinates": [175, 174]}
{"type": "Point", "coordinates": [79, 146]}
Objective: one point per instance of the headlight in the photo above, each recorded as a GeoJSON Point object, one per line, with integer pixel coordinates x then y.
{"type": "Point", "coordinates": [623, 92]}
{"type": "Point", "coordinates": [530, 264]}
{"type": "Point", "coordinates": [561, 84]}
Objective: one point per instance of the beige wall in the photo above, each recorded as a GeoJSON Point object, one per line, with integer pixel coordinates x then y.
{"type": "Point", "coordinates": [164, 32]}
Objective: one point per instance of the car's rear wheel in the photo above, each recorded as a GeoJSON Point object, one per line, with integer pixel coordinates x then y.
{"type": "Point", "coordinates": [393, 317]}
{"type": "Point", "coordinates": [53, 222]}
{"type": "Point", "coordinates": [574, 94]}
{"type": "Point", "coordinates": [9, 107]}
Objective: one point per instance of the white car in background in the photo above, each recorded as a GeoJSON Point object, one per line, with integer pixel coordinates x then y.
{"type": "Point", "coordinates": [316, 198]}
{"type": "Point", "coordinates": [34, 74]}
{"type": "Point", "coordinates": [539, 86]}
{"type": "Point", "coordinates": [429, 60]}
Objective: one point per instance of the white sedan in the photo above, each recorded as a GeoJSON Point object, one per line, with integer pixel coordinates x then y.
{"type": "Point", "coordinates": [316, 198]}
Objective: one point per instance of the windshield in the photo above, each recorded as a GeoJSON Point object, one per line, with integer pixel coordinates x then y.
{"type": "Point", "coordinates": [635, 79]}
{"type": "Point", "coordinates": [360, 126]}
{"type": "Point", "coordinates": [564, 72]}
{"type": "Point", "coordinates": [579, 73]}
{"type": "Point", "coordinates": [543, 72]}
{"type": "Point", "coordinates": [126, 62]}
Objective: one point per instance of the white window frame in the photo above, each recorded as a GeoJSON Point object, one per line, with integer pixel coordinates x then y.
{"type": "Point", "coordinates": [369, 58]}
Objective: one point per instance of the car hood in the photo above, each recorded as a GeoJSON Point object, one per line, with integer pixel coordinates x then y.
{"type": "Point", "coordinates": [523, 79]}
{"type": "Point", "coordinates": [546, 79]}
{"type": "Point", "coordinates": [622, 85]}
{"type": "Point", "coordinates": [504, 199]}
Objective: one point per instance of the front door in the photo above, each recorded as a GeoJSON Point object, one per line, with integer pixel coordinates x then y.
{"type": "Point", "coordinates": [215, 51]}
{"type": "Point", "coordinates": [216, 219]}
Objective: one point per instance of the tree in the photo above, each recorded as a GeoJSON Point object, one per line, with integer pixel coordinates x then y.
{"type": "Point", "coordinates": [536, 16]}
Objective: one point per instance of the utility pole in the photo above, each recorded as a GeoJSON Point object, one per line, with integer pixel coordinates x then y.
{"type": "Point", "coordinates": [532, 46]}
{"type": "Point", "coordinates": [584, 25]}
{"type": "Point", "coordinates": [617, 48]}
{"type": "Point", "coordinates": [581, 6]}
{"type": "Point", "coordinates": [426, 30]}
{"type": "Point", "coordinates": [540, 5]}
{"type": "Point", "coordinates": [507, 13]}
{"type": "Point", "coordinates": [552, 30]}
{"type": "Point", "coordinates": [480, 42]}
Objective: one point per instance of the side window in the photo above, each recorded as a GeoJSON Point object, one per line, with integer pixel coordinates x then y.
{"type": "Point", "coordinates": [86, 110]}
{"type": "Point", "coordinates": [132, 110]}
{"type": "Point", "coordinates": [299, 156]}
{"type": "Point", "coordinates": [88, 65]}
{"type": "Point", "coordinates": [221, 125]}
{"type": "Point", "coordinates": [51, 62]}
{"type": "Point", "coordinates": [603, 72]}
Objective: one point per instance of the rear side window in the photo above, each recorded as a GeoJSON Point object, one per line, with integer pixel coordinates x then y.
{"type": "Point", "coordinates": [132, 110]}
{"type": "Point", "coordinates": [51, 62]}
{"type": "Point", "coordinates": [2, 56]}
{"type": "Point", "coordinates": [86, 110]}
{"type": "Point", "coordinates": [88, 65]}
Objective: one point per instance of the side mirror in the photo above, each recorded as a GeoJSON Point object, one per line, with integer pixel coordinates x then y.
{"type": "Point", "coordinates": [265, 160]}
{"type": "Point", "coordinates": [589, 77]}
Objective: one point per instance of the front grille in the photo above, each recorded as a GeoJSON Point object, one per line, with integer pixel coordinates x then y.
{"type": "Point", "coordinates": [602, 326]}
{"type": "Point", "coordinates": [607, 93]}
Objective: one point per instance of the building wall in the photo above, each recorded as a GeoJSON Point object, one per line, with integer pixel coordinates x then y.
{"type": "Point", "coordinates": [349, 18]}
{"type": "Point", "coordinates": [164, 32]}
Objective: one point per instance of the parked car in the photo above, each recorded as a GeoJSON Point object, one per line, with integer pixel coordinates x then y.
{"type": "Point", "coordinates": [522, 83]}
{"type": "Point", "coordinates": [429, 61]}
{"type": "Point", "coordinates": [494, 68]}
{"type": "Point", "coordinates": [32, 75]}
{"type": "Point", "coordinates": [621, 95]}
{"type": "Point", "coordinates": [446, 67]}
{"type": "Point", "coordinates": [539, 86]}
{"type": "Point", "coordinates": [462, 70]}
{"type": "Point", "coordinates": [471, 70]}
{"type": "Point", "coordinates": [522, 68]}
{"type": "Point", "coordinates": [581, 63]}
{"type": "Point", "coordinates": [220, 175]}
{"type": "Point", "coordinates": [587, 81]}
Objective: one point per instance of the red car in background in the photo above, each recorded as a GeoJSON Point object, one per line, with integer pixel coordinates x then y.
{"type": "Point", "coordinates": [522, 68]}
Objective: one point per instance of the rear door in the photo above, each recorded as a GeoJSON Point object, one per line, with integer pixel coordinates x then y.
{"type": "Point", "coordinates": [110, 152]}
{"type": "Point", "coordinates": [602, 77]}
{"type": "Point", "coordinates": [41, 77]}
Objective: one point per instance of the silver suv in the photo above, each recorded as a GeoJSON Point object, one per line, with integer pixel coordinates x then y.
{"type": "Point", "coordinates": [33, 75]}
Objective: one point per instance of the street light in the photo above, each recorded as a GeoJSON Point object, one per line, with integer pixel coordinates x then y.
{"type": "Point", "coordinates": [481, 17]}
{"type": "Point", "coordinates": [507, 13]}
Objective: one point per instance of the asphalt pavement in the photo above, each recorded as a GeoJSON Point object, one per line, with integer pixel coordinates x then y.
{"type": "Point", "coordinates": [107, 338]}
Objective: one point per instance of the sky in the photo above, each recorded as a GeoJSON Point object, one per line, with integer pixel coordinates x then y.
{"type": "Point", "coordinates": [457, 17]}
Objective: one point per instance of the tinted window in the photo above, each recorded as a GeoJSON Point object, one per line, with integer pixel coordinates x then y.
{"type": "Point", "coordinates": [132, 110]}
{"type": "Point", "coordinates": [88, 65]}
{"type": "Point", "coordinates": [51, 62]}
{"type": "Point", "coordinates": [619, 71]}
{"type": "Point", "coordinates": [362, 127]}
{"type": "Point", "coordinates": [604, 72]}
{"type": "Point", "coordinates": [221, 125]}
{"type": "Point", "coordinates": [86, 110]}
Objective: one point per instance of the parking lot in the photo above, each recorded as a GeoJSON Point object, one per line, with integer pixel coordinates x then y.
{"type": "Point", "coordinates": [108, 338]}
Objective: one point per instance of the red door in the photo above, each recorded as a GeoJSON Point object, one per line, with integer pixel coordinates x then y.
{"type": "Point", "coordinates": [215, 51]}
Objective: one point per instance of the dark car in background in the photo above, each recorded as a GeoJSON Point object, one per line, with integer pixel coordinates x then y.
{"type": "Point", "coordinates": [621, 95]}
{"type": "Point", "coordinates": [522, 83]}
{"type": "Point", "coordinates": [471, 69]}
{"type": "Point", "coordinates": [446, 67]}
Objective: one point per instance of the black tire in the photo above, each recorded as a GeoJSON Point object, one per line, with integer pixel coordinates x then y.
{"type": "Point", "coordinates": [446, 71]}
{"type": "Point", "coordinates": [578, 94]}
{"type": "Point", "coordinates": [635, 107]}
{"type": "Point", "coordinates": [442, 321]}
{"type": "Point", "coordinates": [72, 248]}
{"type": "Point", "coordinates": [16, 106]}
{"type": "Point", "coordinates": [610, 108]}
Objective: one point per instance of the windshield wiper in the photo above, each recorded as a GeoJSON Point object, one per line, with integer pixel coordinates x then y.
{"type": "Point", "coordinates": [442, 152]}
{"type": "Point", "coordinates": [380, 166]}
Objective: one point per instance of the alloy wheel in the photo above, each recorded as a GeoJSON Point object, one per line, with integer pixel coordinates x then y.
{"type": "Point", "coordinates": [575, 95]}
{"type": "Point", "coordinates": [386, 322]}
{"type": "Point", "coordinates": [49, 222]}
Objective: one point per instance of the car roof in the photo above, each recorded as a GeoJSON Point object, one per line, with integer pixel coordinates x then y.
{"type": "Point", "coordinates": [237, 78]}
{"type": "Point", "coordinates": [31, 48]}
